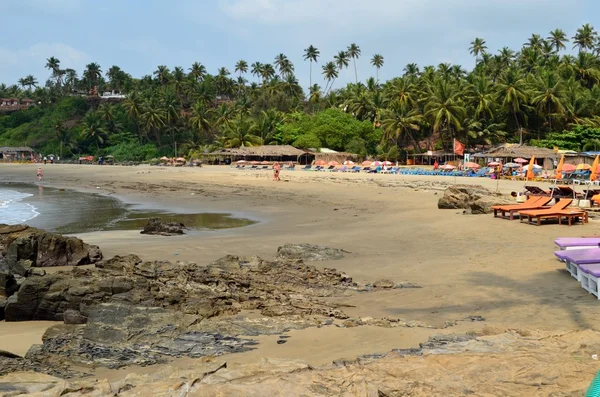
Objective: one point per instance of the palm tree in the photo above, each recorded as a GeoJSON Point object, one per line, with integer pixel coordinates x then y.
{"type": "Point", "coordinates": [162, 74]}
{"type": "Point", "coordinates": [477, 48]}
{"type": "Point", "coordinates": [70, 78]}
{"type": "Point", "coordinates": [106, 112]}
{"type": "Point", "coordinates": [585, 38]}
{"type": "Point", "coordinates": [239, 134]}
{"type": "Point", "coordinates": [535, 42]}
{"type": "Point", "coordinates": [283, 64]}
{"type": "Point", "coordinates": [547, 96]}
{"type": "Point", "coordinates": [558, 38]}
{"type": "Point", "coordinates": [311, 54]}
{"type": "Point", "coordinates": [401, 121]}
{"type": "Point", "coordinates": [444, 107]}
{"type": "Point", "coordinates": [267, 72]}
{"type": "Point", "coordinates": [200, 119]}
{"type": "Point", "coordinates": [93, 129]}
{"type": "Point", "coordinates": [115, 77]}
{"type": "Point", "coordinates": [341, 60]}
{"type": "Point", "coordinates": [241, 67]}
{"type": "Point", "coordinates": [22, 82]}
{"type": "Point", "coordinates": [197, 71]}
{"type": "Point", "coordinates": [153, 118]}
{"type": "Point", "coordinates": [512, 94]}
{"type": "Point", "coordinates": [330, 72]}
{"type": "Point", "coordinates": [354, 53]}
{"type": "Point", "coordinates": [257, 69]}
{"type": "Point", "coordinates": [53, 64]}
{"type": "Point", "coordinates": [93, 73]}
{"type": "Point", "coordinates": [63, 136]}
{"type": "Point", "coordinates": [377, 61]}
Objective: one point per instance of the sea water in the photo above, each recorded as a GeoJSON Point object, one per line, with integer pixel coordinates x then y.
{"type": "Point", "coordinates": [13, 209]}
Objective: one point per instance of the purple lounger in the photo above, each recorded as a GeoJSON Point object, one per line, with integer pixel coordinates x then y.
{"type": "Point", "coordinates": [575, 258]}
{"type": "Point", "coordinates": [577, 243]}
{"type": "Point", "coordinates": [589, 279]}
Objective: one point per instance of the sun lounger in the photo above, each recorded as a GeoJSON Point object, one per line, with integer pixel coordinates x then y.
{"type": "Point", "coordinates": [552, 212]}
{"type": "Point", "coordinates": [307, 167]}
{"type": "Point", "coordinates": [590, 273]}
{"type": "Point", "coordinates": [562, 191]}
{"type": "Point", "coordinates": [532, 203]}
{"type": "Point", "coordinates": [536, 191]}
{"type": "Point", "coordinates": [573, 259]}
{"type": "Point", "coordinates": [577, 243]}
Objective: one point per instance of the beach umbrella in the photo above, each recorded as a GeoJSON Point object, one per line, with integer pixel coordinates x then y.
{"type": "Point", "coordinates": [530, 174]}
{"type": "Point", "coordinates": [164, 158]}
{"type": "Point", "coordinates": [333, 163]}
{"type": "Point", "coordinates": [511, 165]}
{"type": "Point", "coordinates": [583, 167]}
{"type": "Point", "coordinates": [241, 162]}
{"type": "Point", "coordinates": [376, 163]}
{"type": "Point", "coordinates": [494, 164]}
{"type": "Point", "coordinates": [254, 163]}
{"type": "Point", "coordinates": [366, 162]}
{"type": "Point", "coordinates": [470, 164]}
{"type": "Point", "coordinates": [264, 162]}
{"type": "Point", "coordinates": [559, 169]}
{"type": "Point", "coordinates": [180, 159]}
{"type": "Point", "coordinates": [387, 163]}
{"type": "Point", "coordinates": [348, 162]}
{"type": "Point", "coordinates": [594, 174]}
{"type": "Point", "coordinates": [447, 167]}
{"type": "Point", "coordinates": [521, 160]}
{"type": "Point", "coordinates": [320, 162]}
{"type": "Point", "coordinates": [568, 168]}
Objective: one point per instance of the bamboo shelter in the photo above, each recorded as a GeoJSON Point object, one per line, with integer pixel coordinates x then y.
{"type": "Point", "coordinates": [509, 151]}
{"type": "Point", "coordinates": [283, 153]}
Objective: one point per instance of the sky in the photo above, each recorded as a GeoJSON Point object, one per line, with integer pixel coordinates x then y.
{"type": "Point", "coordinates": [139, 35]}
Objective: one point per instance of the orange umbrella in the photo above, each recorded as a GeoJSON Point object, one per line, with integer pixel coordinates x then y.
{"type": "Point", "coordinates": [366, 163]}
{"type": "Point", "coordinates": [530, 174]}
{"type": "Point", "coordinates": [559, 169]}
{"type": "Point", "coordinates": [470, 164]}
{"type": "Point", "coordinates": [321, 162]}
{"type": "Point", "coordinates": [569, 168]}
{"type": "Point", "coordinates": [594, 174]}
{"type": "Point", "coordinates": [333, 163]}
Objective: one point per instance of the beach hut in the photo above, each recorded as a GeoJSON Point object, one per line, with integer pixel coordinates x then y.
{"type": "Point", "coordinates": [510, 151]}
{"type": "Point", "coordinates": [270, 153]}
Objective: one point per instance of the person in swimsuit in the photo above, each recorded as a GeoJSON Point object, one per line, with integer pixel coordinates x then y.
{"type": "Point", "coordinates": [276, 169]}
{"type": "Point", "coordinates": [40, 174]}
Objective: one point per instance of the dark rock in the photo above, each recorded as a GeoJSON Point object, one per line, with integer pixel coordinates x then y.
{"type": "Point", "coordinates": [42, 249]}
{"type": "Point", "coordinates": [384, 284]}
{"type": "Point", "coordinates": [8, 284]}
{"type": "Point", "coordinates": [10, 362]}
{"type": "Point", "coordinates": [156, 227]}
{"type": "Point", "coordinates": [310, 252]}
{"type": "Point", "coordinates": [74, 317]}
{"type": "Point", "coordinates": [281, 341]}
{"type": "Point", "coordinates": [2, 304]}
{"type": "Point", "coordinates": [474, 198]}
{"type": "Point", "coordinates": [35, 271]}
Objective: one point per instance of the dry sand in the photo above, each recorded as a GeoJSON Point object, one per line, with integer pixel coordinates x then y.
{"type": "Point", "coordinates": [468, 265]}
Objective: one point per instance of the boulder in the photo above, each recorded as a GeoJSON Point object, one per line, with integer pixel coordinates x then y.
{"type": "Point", "coordinates": [29, 246]}
{"type": "Point", "coordinates": [475, 199]}
{"type": "Point", "coordinates": [156, 227]}
{"type": "Point", "coordinates": [310, 252]}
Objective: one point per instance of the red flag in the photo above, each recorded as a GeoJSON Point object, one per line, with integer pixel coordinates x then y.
{"type": "Point", "coordinates": [459, 148]}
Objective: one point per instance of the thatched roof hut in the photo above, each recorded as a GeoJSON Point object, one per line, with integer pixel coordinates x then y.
{"type": "Point", "coordinates": [509, 151]}
{"type": "Point", "coordinates": [327, 155]}
{"type": "Point", "coordinates": [283, 153]}
{"type": "Point", "coordinates": [16, 153]}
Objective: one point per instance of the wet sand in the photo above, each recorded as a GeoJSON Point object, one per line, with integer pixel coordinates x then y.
{"type": "Point", "coordinates": [468, 265]}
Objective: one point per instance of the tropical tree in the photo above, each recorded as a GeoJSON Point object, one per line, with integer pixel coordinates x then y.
{"type": "Point", "coordinates": [558, 38]}
{"type": "Point", "coordinates": [93, 129]}
{"type": "Point", "coordinates": [162, 74]}
{"type": "Point", "coordinates": [377, 61]}
{"type": "Point", "coordinates": [197, 71]}
{"type": "Point", "coordinates": [354, 53]}
{"type": "Point", "coordinates": [330, 72]}
{"type": "Point", "coordinates": [585, 38]}
{"type": "Point", "coordinates": [477, 48]}
{"type": "Point", "coordinates": [241, 67]}
{"type": "Point", "coordinates": [238, 133]}
{"type": "Point", "coordinates": [311, 54]}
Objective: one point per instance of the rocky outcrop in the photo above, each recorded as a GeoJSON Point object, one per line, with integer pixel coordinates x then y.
{"type": "Point", "coordinates": [447, 366]}
{"type": "Point", "coordinates": [310, 252]}
{"type": "Point", "coordinates": [474, 199]}
{"type": "Point", "coordinates": [156, 227]}
{"type": "Point", "coordinates": [22, 247]}
{"type": "Point", "coordinates": [276, 288]}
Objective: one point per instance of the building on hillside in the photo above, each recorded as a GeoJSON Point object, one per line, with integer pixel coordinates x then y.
{"type": "Point", "coordinates": [16, 153]}
{"type": "Point", "coordinates": [271, 153]}
{"type": "Point", "coordinates": [510, 151]}
{"type": "Point", "coordinates": [13, 104]}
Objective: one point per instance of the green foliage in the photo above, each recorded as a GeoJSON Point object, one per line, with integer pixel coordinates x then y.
{"type": "Point", "coordinates": [132, 151]}
{"type": "Point", "coordinates": [578, 139]}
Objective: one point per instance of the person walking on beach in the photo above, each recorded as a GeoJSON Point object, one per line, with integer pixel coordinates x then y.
{"type": "Point", "coordinates": [45, 159]}
{"type": "Point", "coordinates": [276, 169]}
{"type": "Point", "coordinates": [40, 174]}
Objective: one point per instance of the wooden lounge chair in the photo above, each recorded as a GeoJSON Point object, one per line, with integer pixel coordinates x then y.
{"type": "Point", "coordinates": [540, 214]}
{"type": "Point", "coordinates": [536, 191]}
{"type": "Point", "coordinates": [532, 203]}
{"type": "Point", "coordinates": [562, 191]}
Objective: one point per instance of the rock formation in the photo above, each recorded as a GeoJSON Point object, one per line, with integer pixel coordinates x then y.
{"type": "Point", "coordinates": [156, 227]}
{"type": "Point", "coordinates": [474, 198]}
{"type": "Point", "coordinates": [309, 252]}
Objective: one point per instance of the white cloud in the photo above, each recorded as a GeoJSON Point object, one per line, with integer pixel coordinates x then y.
{"type": "Point", "coordinates": [32, 60]}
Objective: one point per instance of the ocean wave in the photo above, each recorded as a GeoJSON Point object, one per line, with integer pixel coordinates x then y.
{"type": "Point", "coordinates": [13, 210]}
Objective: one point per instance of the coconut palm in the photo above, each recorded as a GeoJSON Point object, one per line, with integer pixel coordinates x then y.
{"type": "Point", "coordinates": [341, 60]}
{"type": "Point", "coordinates": [238, 133]}
{"type": "Point", "coordinates": [330, 72]}
{"type": "Point", "coordinates": [93, 73]}
{"type": "Point", "coordinates": [354, 53]}
{"type": "Point", "coordinates": [444, 107]}
{"type": "Point", "coordinates": [477, 48]}
{"type": "Point", "coordinates": [585, 38]}
{"type": "Point", "coordinates": [377, 61]}
{"type": "Point", "coordinates": [401, 121]}
{"type": "Point", "coordinates": [311, 54]}
{"type": "Point", "coordinates": [257, 69]}
{"type": "Point", "coordinates": [93, 129]}
{"type": "Point", "coordinates": [512, 93]}
{"type": "Point", "coordinates": [547, 93]}
{"type": "Point", "coordinates": [63, 136]}
{"type": "Point", "coordinates": [197, 71]}
{"type": "Point", "coordinates": [200, 119]}
{"type": "Point", "coordinates": [241, 67]}
{"type": "Point", "coordinates": [162, 74]}
{"type": "Point", "coordinates": [153, 118]}
{"type": "Point", "coordinates": [558, 38]}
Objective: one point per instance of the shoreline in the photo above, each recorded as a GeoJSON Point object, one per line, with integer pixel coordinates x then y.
{"type": "Point", "coordinates": [468, 265]}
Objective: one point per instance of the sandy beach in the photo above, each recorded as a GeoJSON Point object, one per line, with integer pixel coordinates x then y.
{"type": "Point", "coordinates": [467, 265]}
